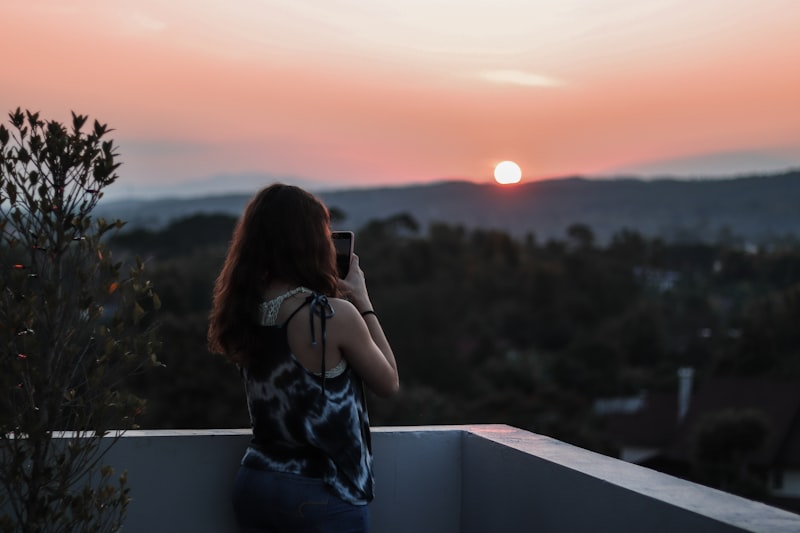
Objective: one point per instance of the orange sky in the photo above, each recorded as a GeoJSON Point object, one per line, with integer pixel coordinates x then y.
{"type": "Point", "coordinates": [349, 92]}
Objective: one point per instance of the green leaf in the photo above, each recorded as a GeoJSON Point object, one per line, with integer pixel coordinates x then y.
{"type": "Point", "coordinates": [11, 190]}
{"type": "Point", "coordinates": [138, 313]}
{"type": "Point", "coordinates": [78, 121]}
{"type": "Point", "coordinates": [100, 129]}
{"type": "Point", "coordinates": [17, 118]}
{"type": "Point", "coordinates": [33, 118]}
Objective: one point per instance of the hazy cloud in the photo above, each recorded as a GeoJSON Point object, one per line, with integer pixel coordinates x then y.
{"type": "Point", "coordinates": [518, 77]}
{"type": "Point", "coordinates": [714, 164]}
{"type": "Point", "coordinates": [145, 22]}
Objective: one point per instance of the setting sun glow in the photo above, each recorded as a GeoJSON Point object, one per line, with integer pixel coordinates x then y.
{"type": "Point", "coordinates": [507, 172]}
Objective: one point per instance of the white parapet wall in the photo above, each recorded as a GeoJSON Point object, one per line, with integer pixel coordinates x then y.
{"type": "Point", "coordinates": [443, 479]}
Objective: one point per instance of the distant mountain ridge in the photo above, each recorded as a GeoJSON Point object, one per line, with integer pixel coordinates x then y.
{"type": "Point", "coordinates": [756, 208]}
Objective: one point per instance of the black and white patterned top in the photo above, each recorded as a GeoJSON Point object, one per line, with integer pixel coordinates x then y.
{"type": "Point", "coordinates": [307, 423]}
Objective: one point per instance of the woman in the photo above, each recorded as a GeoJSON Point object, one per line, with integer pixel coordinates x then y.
{"type": "Point", "coordinates": [305, 341]}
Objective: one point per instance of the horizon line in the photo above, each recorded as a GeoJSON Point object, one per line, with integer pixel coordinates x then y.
{"type": "Point", "coordinates": [168, 192]}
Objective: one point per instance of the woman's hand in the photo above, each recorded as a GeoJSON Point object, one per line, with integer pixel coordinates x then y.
{"type": "Point", "coordinates": [362, 340]}
{"type": "Point", "coordinates": [354, 286]}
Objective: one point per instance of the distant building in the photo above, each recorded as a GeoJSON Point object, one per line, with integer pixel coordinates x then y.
{"type": "Point", "coordinates": [661, 433]}
{"type": "Point", "coordinates": [657, 279]}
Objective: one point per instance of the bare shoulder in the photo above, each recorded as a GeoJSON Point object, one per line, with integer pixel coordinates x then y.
{"type": "Point", "coordinates": [349, 326]}
{"type": "Point", "coordinates": [343, 307]}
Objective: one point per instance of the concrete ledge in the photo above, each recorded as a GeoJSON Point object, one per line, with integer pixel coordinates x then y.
{"type": "Point", "coordinates": [443, 479]}
{"type": "Point", "coordinates": [548, 484]}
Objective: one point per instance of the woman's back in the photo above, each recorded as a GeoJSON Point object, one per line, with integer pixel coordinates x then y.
{"type": "Point", "coordinates": [304, 422]}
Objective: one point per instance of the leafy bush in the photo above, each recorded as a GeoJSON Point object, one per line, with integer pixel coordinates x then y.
{"type": "Point", "coordinates": [73, 327]}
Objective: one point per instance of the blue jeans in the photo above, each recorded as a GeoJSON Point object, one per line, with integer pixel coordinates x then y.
{"type": "Point", "coordinates": [276, 502]}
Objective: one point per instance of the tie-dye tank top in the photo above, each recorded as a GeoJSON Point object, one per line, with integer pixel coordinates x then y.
{"type": "Point", "coordinates": [307, 423]}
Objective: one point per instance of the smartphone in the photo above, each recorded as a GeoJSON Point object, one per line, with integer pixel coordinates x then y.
{"type": "Point", "coordinates": [343, 243]}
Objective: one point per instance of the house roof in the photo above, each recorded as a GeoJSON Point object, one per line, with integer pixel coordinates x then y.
{"type": "Point", "coordinates": [650, 427]}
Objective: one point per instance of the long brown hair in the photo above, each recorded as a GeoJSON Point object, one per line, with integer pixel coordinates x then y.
{"type": "Point", "coordinates": [283, 234]}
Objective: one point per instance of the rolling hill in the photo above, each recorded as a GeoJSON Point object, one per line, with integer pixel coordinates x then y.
{"type": "Point", "coordinates": [753, 208]}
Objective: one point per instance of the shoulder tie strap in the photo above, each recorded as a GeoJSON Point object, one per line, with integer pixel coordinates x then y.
{"type": "Point", "coordinates": [319, 305]}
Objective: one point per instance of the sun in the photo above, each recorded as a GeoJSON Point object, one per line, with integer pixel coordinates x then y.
{"type": "Point", "coordinates": [507, 172]}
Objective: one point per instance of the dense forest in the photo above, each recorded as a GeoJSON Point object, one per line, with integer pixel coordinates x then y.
{"type": "Point", "coordinates": [488, 328]}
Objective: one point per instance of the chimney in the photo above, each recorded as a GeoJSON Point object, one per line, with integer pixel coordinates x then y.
{"type": "Point", "coordinates": [685, 378]}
